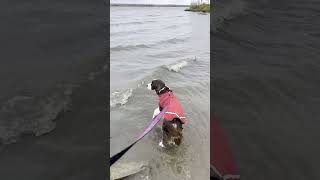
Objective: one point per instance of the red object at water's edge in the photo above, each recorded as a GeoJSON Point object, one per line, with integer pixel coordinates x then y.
{"type": "Point", "coordinates": [222, 163]}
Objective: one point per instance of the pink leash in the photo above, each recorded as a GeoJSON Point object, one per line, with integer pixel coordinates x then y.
{"type": "Point", "coordinates": [151, 125]}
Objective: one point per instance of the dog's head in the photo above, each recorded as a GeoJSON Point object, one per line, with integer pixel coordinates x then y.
{"type": "Point", "coordinates": [158, 85]}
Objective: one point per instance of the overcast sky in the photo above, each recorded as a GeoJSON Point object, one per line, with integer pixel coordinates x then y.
{"type": "Point", "coordinates": [185, 2]}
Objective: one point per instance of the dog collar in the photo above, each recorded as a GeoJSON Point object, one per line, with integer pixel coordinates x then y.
{"type": "Point", "coordinates": [161, 89]}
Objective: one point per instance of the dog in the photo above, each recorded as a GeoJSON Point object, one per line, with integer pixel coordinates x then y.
{"type": "Point", "coordinates": [174, 117]}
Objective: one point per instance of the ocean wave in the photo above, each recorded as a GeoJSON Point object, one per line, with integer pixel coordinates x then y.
{"type": "Point", "coordinates": [226, 10]}
{"type": "Point", "coordinates": [117, 33]}
{"type": "Point", "coordinates": [176, 67]}
{"type": "Point", "coordinates": [143, 46]}
{"type": "Point", "coordinates": [175, 26]}
{"type": "Point", "coordinates": [174, 40]}
{"type": "Point", "coordinates": [32, 115]}
{"type": "Point", "coordinates": [129, 47]}
{"type": "Point", "coordinates": [120, 97]}
{"type": "Point", "coordinates": [132, 23]}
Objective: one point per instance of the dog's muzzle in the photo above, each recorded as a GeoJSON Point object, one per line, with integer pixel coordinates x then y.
{"type": "Point", "coordinates": [149, 86]}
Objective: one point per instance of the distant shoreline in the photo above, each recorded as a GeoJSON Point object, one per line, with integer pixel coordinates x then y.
{"type": "Point", "coordinates": [204, 8]}
{"type": "Point", "coordinates": [150, 5]}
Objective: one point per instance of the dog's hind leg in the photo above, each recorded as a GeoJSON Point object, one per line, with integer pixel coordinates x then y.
{"type": "Point", "coordinates": [165, 132]}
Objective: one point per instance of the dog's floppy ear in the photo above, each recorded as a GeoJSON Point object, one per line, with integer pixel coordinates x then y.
{"type": "Point", "coordinates": [153, 85]}
{"type": "Point", "coordinates": [157, 85]}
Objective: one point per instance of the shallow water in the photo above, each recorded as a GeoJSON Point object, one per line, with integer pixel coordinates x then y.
{"type": "Point", "coordinates": [173, 45]}
{"type": "Point", "coordinates": [53, 84]}
{"type": "Point", "coordinates": [266, 85]}
{"type": "Point", "coordinates": [46, 50]}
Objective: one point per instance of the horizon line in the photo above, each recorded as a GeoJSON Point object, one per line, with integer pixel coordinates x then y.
{"type": "Point", "coordinates": [166, 5]}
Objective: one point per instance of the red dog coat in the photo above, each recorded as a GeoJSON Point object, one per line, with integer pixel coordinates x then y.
{"type": "Point", "coordinates": [174, 110]}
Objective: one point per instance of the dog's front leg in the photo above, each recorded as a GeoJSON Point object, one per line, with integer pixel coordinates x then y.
{"type": "Point", "coordinates": [156, 112]}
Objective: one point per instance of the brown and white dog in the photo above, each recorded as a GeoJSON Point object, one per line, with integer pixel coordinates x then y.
{"type": "Point", "coordinates": [173, 118]}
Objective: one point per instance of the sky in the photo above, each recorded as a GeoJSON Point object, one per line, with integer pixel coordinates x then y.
{"type": "Point", "coordinates": [180, 2]}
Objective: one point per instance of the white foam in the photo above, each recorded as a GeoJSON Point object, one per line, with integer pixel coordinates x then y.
{"type": "Point", "coordinates": [177, 67]}
{"type": "Point", "coordinates": [31, 115]}
{"type": "Point", "coordinates": [120, 97]}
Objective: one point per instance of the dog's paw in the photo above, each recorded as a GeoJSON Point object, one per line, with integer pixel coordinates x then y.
{"type": "Point", "coordinates": [161, 144]}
